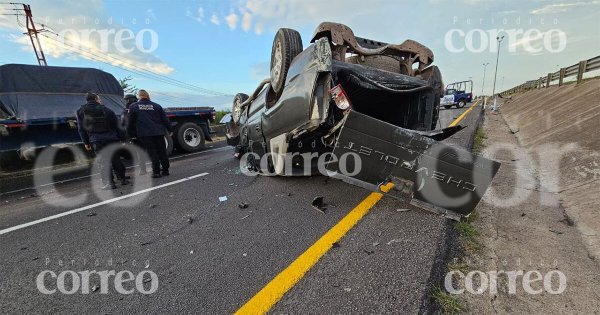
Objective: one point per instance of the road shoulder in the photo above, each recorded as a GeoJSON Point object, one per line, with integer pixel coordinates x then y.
{"type": "Point", "coordinates": [532, 235]}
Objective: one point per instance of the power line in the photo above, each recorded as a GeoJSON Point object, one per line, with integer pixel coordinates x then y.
{"type": "Point", "coordinates": [157, 75]}
{"type": "Point", "coordinates": [169, 98]}
{"type": "Point", "coordinates": [133, 69]}
{"type": "Point", "coordinates": [126, 65]}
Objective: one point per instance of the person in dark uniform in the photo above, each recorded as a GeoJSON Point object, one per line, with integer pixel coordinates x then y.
{"type": "Point", "coordinates": [130, 99]}
{"type": "Point", "coordinates": [98, 127]}
{"type": "Point", "coordinates": [150, 123]}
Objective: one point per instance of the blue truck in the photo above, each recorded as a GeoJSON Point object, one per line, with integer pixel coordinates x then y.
{"type": "Point", "coordinates": [38, 105]}
{"type": "Point", "coordinates": [457, 94]}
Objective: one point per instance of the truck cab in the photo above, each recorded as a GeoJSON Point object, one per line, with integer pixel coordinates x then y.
{"type": "Point", "coordinates": [457, 94]}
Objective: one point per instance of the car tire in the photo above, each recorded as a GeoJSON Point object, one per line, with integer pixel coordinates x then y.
{"type": "Point", "coordinates": [461, 104]}
{"type": "Point", "coordinates": [189, 137]}
{"type": "Point", "coordinates": [168, 144]}
{"type": "Point", "coordinates": [435, 82]}
{"type": "Point", "coordinates": [236, 108]}
{"type": "Point", "coordinates": [286, 46]}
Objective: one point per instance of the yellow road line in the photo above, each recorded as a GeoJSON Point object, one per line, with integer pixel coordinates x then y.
{"type": "Point", "coordinates": [286, 279]}
{"type": "Point", "coordinates": [271, 293]}
{"type": "Point", "coordinates": [463, 115]}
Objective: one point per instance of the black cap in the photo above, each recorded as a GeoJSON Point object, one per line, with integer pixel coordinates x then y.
{"type": "Point", "coordinates": [130, 96]}
{"type": "Point", "coordinates": [89, 96]}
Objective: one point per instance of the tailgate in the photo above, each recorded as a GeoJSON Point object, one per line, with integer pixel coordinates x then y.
{"type": "Point", "coordinates": [433, 175]}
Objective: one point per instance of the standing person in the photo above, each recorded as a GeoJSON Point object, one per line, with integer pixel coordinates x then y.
{"type": "Point", "coordinates": [150, 123]}
{"type": "Point", "coordinates": [98, 127]}
{"type": "Point", "coordinates": [132, 137]}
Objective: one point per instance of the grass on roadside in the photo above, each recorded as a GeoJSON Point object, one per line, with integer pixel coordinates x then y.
{"type": "Point", "coordinates": [449, 304]}
{"type": "Point", "coordinates": [468, 236]}
{"type": "Point", "coordinates": [478, 140]}
{"type": "Point", "coordinates": [459, 266]}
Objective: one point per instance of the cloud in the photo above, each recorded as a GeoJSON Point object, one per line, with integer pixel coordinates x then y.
{"type": "Point", "coordinates": [272, 14]}
{"type": "Point", "coordinates": [561, 7]}
{"type": "Point", "coordinates": [232, 20]}
{"type": "Point", "coordinates": [259, 28]}
{"type": "Point", "coordinates": [150, 14]}
{"type": "Point", "coordinates": [246, 21]}
{"type": "Point", "coordinates": [200, 14]}
{"type": "Point", "coordinates": [260, 71]}
{"type": "Point", "coordinates": [91, 47]}
{"type": "Point", "coordinates": [214, 19]}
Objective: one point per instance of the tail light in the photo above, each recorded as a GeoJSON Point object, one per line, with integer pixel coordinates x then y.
{"type": "Point", "coordinates": [340, 97]}
{"type": "Point", "coordinates": [214, 116]}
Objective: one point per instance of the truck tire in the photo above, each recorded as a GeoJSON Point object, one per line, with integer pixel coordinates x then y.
{"type": "Point", "coordinates": [435, 81]}
{"type": "Point", "coordinates": [169, 144]}
{"type": "Point", "coordinates": [286, 46]}
{"type": "Point", "coordinates": [461, 103]}
{"type": "Point", "coordinates": [189, 137]}
{"type": "Point", "coordinates": [236, 109]}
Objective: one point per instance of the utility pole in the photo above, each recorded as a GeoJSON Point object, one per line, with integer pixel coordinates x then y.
{"type": "Point", "coordinates": [499, 39]}
{"type": "Point", "coordinates": [33, 36]}
{"type": "Point", "coordinates": [483, 83]}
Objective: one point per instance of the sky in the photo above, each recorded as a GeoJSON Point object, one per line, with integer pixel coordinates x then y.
{"type": "Point", "coordinates": [215, 49]}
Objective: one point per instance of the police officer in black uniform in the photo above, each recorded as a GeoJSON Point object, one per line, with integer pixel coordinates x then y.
{"type": "Point", "coordinates": [99, 127]}
{"type": "Point", "coordinates": [150, 123]}
{"type": "Point", "coordinates": [130, 99]}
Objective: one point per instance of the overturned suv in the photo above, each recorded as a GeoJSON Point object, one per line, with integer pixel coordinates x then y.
{"type": "Point", "coordinates": [349, 95]}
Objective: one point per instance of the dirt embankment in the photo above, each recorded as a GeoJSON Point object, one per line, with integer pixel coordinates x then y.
{"type": "Point", "coordinates": [541, 214]}
{"type": "Point", "coordinates": [564, 123]}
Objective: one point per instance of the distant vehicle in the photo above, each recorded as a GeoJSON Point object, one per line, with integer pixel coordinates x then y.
{"type": "Point", "coordinates": [38, 105]}
{"type": "Point", "coordinates": [456, 94]}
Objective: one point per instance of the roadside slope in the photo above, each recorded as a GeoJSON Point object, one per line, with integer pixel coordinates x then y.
{"type": "Point", "coordinates": [565, 121]}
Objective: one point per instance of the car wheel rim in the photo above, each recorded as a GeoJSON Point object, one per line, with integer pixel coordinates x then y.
{"type": "Point", "coordinates": [191, 137]}
{"type": "Point", "coordinates": [236, 111]}
{"type": "Point", "coordinates": [276, 69]}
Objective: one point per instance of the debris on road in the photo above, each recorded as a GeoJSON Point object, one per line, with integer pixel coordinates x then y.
{"type": "Point", "coordinates": [396, 240]}
{"type": "Point", "coordinates": [190, 220]}
{"type": "Point", "coordinates": [319, 205]}
{"type": "Point", "coordinates": [369, 251]}
{"type": "Point", "coordinates": [556, 232]}
{"type": "Point", "coordinates": [222, 198]}
{"type": "Point", "coordinates": [402, 210]}
{"type": "Point", "coordinates": [243, 205]}
{"type": "Point", "coordinates": [335, 245]}
{"type": "Point", "coordinates": [95, 288]}
{"type": "Point", "coordinates": [93, 214]}
{"type": "Point", "coordinates": [347, 289]}
{"type": "Point", "coordinates": [375, 244]}
{"type": "Point", "coordinates": [244, 217]}
{"type": "Point", "coordinates": [151, 206]}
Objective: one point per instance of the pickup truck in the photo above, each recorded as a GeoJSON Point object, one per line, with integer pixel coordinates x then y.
{"type": "Point", "coordinates": [456, 94]}
{"type": "Point", "coordinates": [38, 105]}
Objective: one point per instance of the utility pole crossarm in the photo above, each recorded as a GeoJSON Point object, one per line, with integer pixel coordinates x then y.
{"type": "Point", "coordinates": [33, 36]}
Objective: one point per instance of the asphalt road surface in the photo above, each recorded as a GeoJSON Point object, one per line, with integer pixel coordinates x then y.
{"type": "Point", "coordinates": [212, 256]}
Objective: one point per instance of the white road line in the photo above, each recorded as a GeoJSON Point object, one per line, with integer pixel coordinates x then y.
{"type": "Point", "coordinates": [62, 214]}
{"type": "Point", "coordinates": [95, 174]}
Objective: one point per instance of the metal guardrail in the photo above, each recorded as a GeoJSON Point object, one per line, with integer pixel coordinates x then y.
{"type": "Point", "coordinates": [575, 70]}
